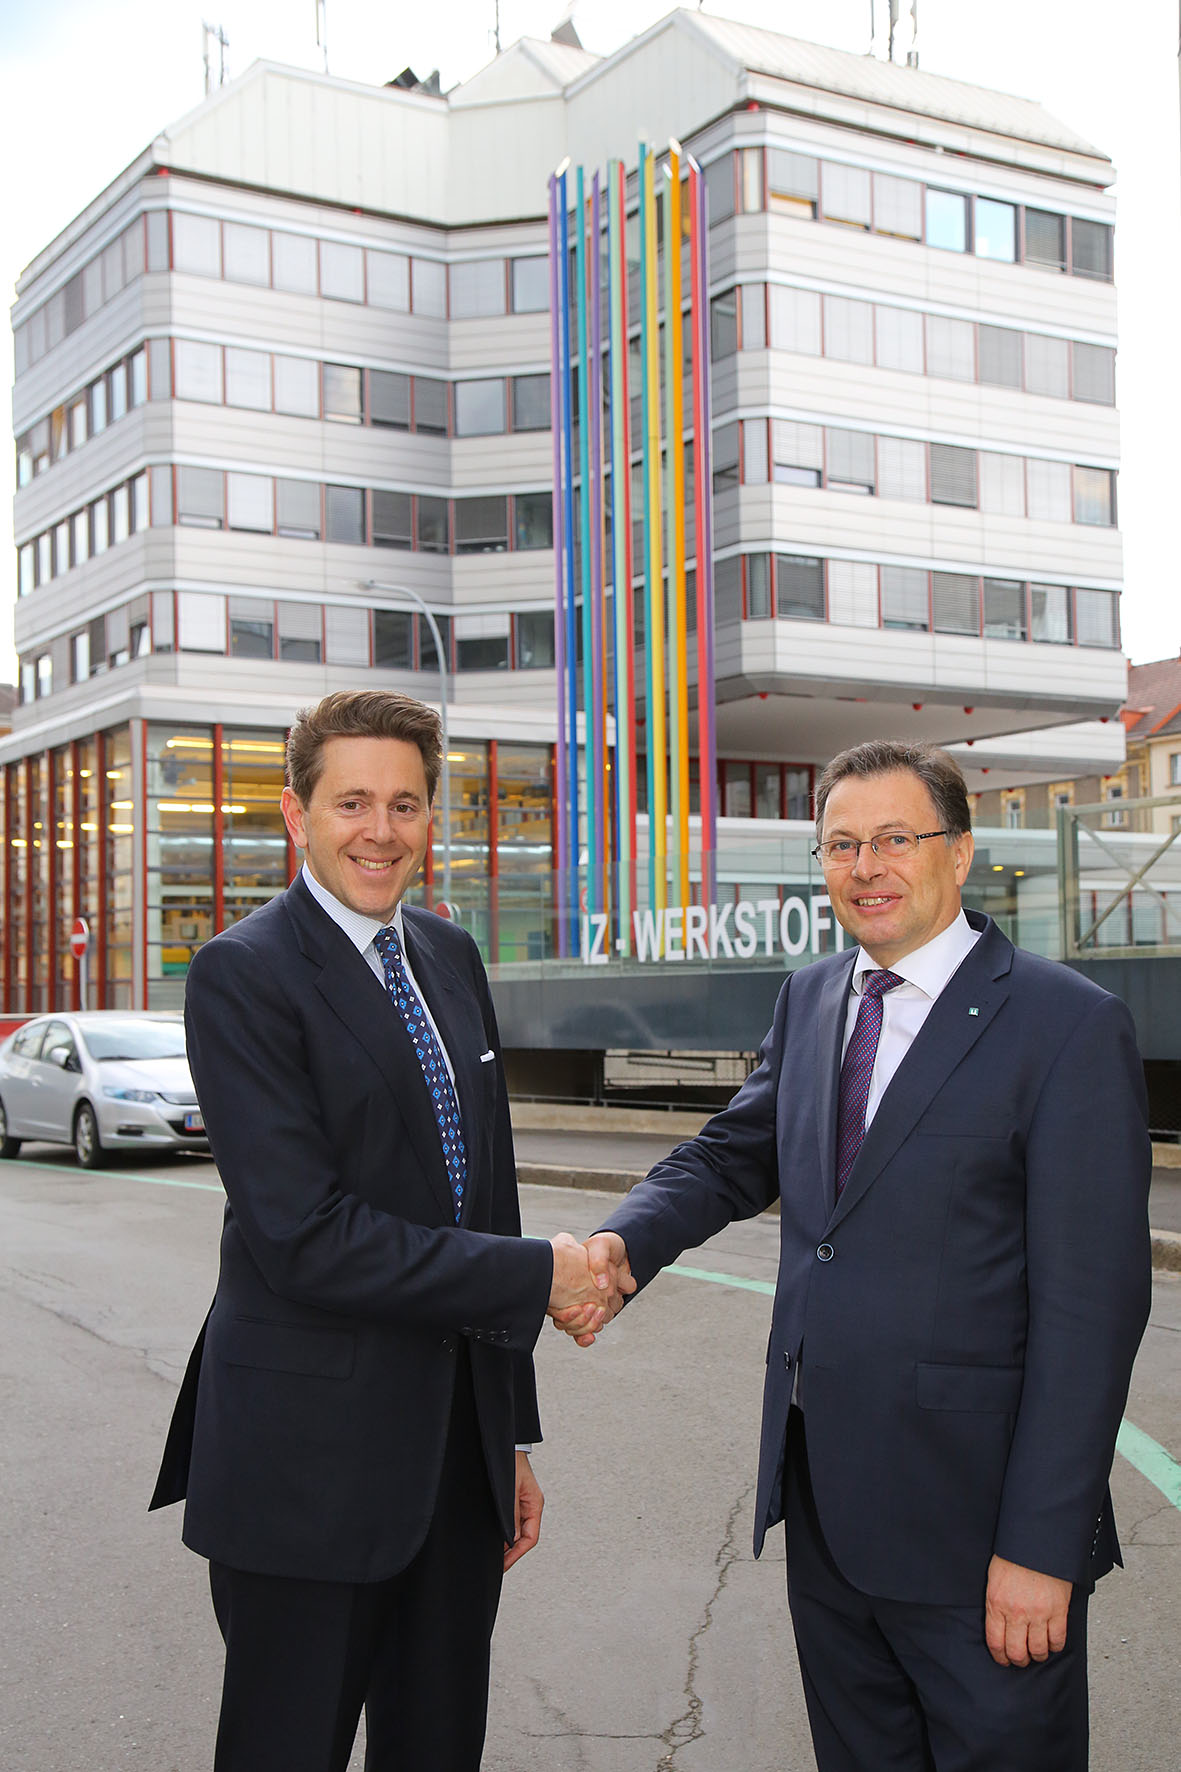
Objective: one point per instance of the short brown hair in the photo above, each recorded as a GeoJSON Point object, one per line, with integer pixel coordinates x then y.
{"type": "Point", "coordinates": [940, 774]}
{"type": "Point", "coordinates": [361, 713]}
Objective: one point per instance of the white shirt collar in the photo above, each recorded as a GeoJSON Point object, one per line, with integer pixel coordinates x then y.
{"type": "Point", "coordinates": [928, 968]}
{"type": "Point", "coordinates": [360, 929]}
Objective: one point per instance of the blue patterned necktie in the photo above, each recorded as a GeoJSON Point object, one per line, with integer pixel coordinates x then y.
{"type": "Point", "coordinates": [430, 1057]}
{"type": "Point", "coordinates": [857, 1071]}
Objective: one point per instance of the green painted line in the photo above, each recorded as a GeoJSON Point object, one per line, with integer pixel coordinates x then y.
{"type": "Point", "coordinates": [1132, 1443]}
{"type": "Point", "coordinates": [1151, 1460]}
{"type": "Point", "coordinates": [205, 1187]}
{"type": "Point", "coordinates": [701, 1273]}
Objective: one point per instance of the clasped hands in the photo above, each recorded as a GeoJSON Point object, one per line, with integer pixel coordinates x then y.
{"type": "Point", "coordinates": [591, 1282]}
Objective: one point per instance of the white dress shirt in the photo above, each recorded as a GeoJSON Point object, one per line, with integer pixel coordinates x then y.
{"type": "Point", "coordinates": [362, 931]}
{"type": "Point", "coordinates": [904, 1009]}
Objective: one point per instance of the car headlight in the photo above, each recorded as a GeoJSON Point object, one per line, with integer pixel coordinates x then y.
{"type": "Point", "coordinates": [132, 1094]}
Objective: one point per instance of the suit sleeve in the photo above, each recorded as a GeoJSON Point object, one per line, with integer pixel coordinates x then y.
{"type": "Point", "coordinates": [1088, 1165]}
{"type": "Point", "coordinates": [313, 1240]}
{"type": "Point", "coordinates": [730, 1170]}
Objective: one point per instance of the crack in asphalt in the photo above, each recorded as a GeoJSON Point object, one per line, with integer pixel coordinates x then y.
{"type": "Point", "coordinates": [75, 1322]}
{"type": "Point", "coordinates": [688, 1727]}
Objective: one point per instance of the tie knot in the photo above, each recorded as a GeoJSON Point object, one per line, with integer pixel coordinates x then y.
{"type": "Point", "coordinates": [875, 984]}
{"type": "Point", "coordinates": [387, 944]}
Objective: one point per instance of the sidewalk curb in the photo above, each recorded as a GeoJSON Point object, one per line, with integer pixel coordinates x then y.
{"type": "Point", "coordinates": [1166, 1245]}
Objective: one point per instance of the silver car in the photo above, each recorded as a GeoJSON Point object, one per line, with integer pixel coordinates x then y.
{"type": "Point", "coordinates": [106, 1079]}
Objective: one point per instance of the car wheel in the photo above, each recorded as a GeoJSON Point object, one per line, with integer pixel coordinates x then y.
{"type": "Point", "coordinates": [88, 1146]}
{"type": "Point", "coordinates": [9, 1147]}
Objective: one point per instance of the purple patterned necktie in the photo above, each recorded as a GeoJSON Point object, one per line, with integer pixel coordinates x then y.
{"type": "Point", "coordinates": [430, 1057]}
{"type": "Point", "coordinates": [857, 1071]}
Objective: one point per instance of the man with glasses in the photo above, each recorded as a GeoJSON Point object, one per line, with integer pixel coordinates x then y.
{"type": "Point", "coordinates": [955, 1133]}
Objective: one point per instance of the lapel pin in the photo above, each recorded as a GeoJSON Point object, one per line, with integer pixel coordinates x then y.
{"type": "Point", "coordinates": [973, 1011]}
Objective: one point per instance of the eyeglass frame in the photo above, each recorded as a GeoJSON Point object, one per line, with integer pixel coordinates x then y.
{"type": "Point", "coordinates": [919, 837]}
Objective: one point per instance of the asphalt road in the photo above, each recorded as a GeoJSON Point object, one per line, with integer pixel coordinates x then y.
{"type": "Point", "coordinates": [640, 1636]}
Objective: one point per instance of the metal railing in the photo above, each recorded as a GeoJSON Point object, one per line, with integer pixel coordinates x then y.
{"type": "Point", "coordinates": [1119, 879]}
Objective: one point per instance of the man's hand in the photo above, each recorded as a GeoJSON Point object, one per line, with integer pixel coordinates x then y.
{"type": "Point", "coordinates": [1024, 1614]}
{"type": "Point", "coordinates": [607, 1259]}
{"type": "Point", "coordinates": [526, 1512]}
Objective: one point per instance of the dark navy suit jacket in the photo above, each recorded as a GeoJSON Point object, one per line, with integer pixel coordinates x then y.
{"type": "Point", "coordinates": [969, 1310]}
{"type": "Point", "coordinates": [309, 1433]}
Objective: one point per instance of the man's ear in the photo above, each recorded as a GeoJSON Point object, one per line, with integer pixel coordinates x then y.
{"type": "Point", "coordinates": [293, 818]}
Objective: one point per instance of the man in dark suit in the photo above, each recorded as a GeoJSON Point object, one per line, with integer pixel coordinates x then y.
{"type": "Point", "coordinates": [955, 1133]}
{"type": "Point", "coordinates": [352, 1433]}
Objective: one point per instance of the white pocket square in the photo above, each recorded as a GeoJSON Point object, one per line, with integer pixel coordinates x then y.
{"type": "Point", "coordinates": [487, 1057]}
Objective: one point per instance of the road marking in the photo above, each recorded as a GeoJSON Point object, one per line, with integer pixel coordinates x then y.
{"type": "Point", "coordinates": [79, 1174]}
{"type": "Point", "coordinates": [1132, 1443]}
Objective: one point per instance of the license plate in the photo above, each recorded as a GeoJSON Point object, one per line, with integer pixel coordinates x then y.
{"type": "Point", "coordinates": [194, 1123]}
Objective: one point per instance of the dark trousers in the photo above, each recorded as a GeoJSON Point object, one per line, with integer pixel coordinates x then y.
{"type": "Point", "coordinates": [897, 1687]}
{"type": "Point", "coordinates": [302, 1657]}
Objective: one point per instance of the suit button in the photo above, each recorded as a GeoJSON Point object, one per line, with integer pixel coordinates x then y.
{"type": "Point", "coordinates": [825, 1252]}
{"type": "Point", "coordinates": [787, 1361]}
{"type": "Point", "coordinates": [448, 1344]}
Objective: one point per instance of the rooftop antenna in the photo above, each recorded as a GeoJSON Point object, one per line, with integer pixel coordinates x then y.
{"type": "Point", "coordinates": [496, 29]}
{"type": "Point", "coordinates": [322, 29]}
{"type": "Point", "coordinates": [214, 34]}
{"type": "Point", "coordinates": [912, 54]}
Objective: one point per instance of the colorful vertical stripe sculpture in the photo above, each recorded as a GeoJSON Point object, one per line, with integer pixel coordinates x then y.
{"type": "Point", "coordinates": [597, 460]}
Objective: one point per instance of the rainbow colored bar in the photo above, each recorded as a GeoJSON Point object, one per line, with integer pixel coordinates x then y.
{"type": "Point", "coordinates": [622, 574]}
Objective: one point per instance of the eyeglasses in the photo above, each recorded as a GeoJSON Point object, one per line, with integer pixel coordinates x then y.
{"type": "Point", "coordinates": [842, 852]}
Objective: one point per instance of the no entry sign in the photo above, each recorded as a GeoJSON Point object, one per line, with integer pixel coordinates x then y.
{"type": "Point", "coordinates": [79, 938]}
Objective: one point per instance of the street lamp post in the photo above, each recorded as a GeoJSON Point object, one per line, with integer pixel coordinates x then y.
{"type": "Point", "coordinates": [388, 590]}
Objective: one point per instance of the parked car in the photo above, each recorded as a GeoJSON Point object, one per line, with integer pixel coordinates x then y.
{"type": "Point", "coordinates": [102, 1080]}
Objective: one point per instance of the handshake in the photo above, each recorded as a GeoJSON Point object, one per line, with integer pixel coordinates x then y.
{"type": "Point", "coordinates": [591, 1282]}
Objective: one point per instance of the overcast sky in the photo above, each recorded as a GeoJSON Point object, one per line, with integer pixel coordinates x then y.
{"type": "Point", "coordinates": [84, 86]}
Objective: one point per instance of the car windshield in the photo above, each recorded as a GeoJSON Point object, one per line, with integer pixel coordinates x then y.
{"type": "Point", "coordinates": [135, 1039]}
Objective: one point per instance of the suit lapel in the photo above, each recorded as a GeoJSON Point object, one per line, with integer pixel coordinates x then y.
{"type": "Point", "coordinates": [356, 997]}
{"type": "Point", "coordinates": [830, 1028]}
{"type": "Point", "coordinates": [452, 1008]}
{"type": "Point", "coordinates": [962, 1011]}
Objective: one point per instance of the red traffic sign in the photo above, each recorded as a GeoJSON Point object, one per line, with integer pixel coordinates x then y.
{"type": "Point", "coordinates": [79, 938]}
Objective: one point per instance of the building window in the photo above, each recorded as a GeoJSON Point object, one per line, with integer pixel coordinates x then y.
{"type": "Point", "coordinates": [1047, 365]}
{"type": "Point", "coordinates": [300, 632]}
{"type": "Point", "coordinates": [531, 403]}
{"type": "Point", "coordinates": [1048, 491]}
{"type": "Point", "coordinates": [248, 379]}
{"type": "Point", "coordinates": [897, 206]}
{"type": "Point", "coordinates": [293, 261]}
{"type": "Point", "coordinates": [247, 254]}
{"type": "Point", "coordinates": [899, 339]}
{"type": "Point", "coordinates": [431, 525]}
{"type": "Point", "coordinates": [196, 374]}
{"type": "Point", "coordinates": [1114, 820]}
{"type": "Point", "coordinates": [535, 640]}
{"type": "Point", "coordinates": [845, 191]}
{"type": "Point", "coordinates": [793, 183]}
{"type": "Point", "coordinates": [951, 348]}
{"type": "Point", "coordinates": [995, 230]}
{"type": "Point", "coordinates": [430, 406]}
{"type": "Point", "coordinates": [388, 280]}
{"type": "Point", "coordinates": [848, 329]}
{"type": "Point", "coordinates": [904, 598]}
{"type": "Point", "coordinates": [723, 319]}
{"type": "Point", "coordinates": [1004, 609]}
{"type": "Point", "coordinates": [530, 285]}
{"type": "Point", "coordinates": [799, 587]}
{"type": "Point", "coordinates": [199, 498]}
{"type": "Point", "coordinates": [750, 179]}
{"type": "Point", "coordinates": [344, 514]}
{"type": "Point", "coordinates": [1093, 374]}
{"type": "Point", "coordinates": [1049, 614]}
{"type": "Point", "coordinates": [1175, 769]}
{"type": "Point", "coordinates": [393, 640]}
{"type": "Point", "coordinates": [389, 399]}
{"type": "Point", "coordinates": [850, 461]}
{"type": "Point", "coordinates": [252, 627]}
{"type": "Point", "coordinates": [1002, 483]}
{"type": "Point", "coordinates": [754, 453]}
{"type": "Point", "coordinates": [342, 394]}
{"type": "Point", "coordinates": [1000, 356]}
{"type": "Point", "coordinates": [533, 518]}
{"type": "Point", "coordinates": [481, 525]}
{"type": "Point", "coordinates": [794, 320]}
{"type": "Point", "coordinates": [947, 221]}
{"type": "Point", "coordinates": [297, 386]}
{"type": "Point", "coordinates": [477, 288]}
{"type": "Point", "coordinates": [1012, 815]}
{"type": "Point", "coordinates": [1090, 249]}
{"type": "Point", "coordinates": [758, 587]}
{"type": "Point", "coordinates": [1094, 496]}
{"type": "Point", "coordinates": [297, 504]}
{"type": "Point", "coordinates": [196, 245]}
{"type": "Point", "coordinates": [1045, 239]}
{"type": "Point", "coordinates": [719, 184]}
{"type": "Point", "coordinates": [342, 271]}
{"type": "Point", "coordinates": [955, 600]}
{"type": "Point", "coordinates": [428, 286]}
{"type": "Point", "coordinates": [902, 468]}
{"type": "Point", "coordinates": [200, 622]}
{"type": "Point", "coordinates": [797, 452]}
{"type": "Point", "coordinates": [481, 642]}
{"type": "Point", "coordinates": [391, 520]}
{"type": "Point", "coordinates": [1097, 618]}
{"type": "Point", "coordinates": [953, 475]}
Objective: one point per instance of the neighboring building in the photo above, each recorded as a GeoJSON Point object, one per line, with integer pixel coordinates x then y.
{"type": "Point", "coordinates": [1151, 719]}
{"type": "Point", "coordinates": [289, 373]}
{"type": "Point", "coordinates": [7, 703]}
